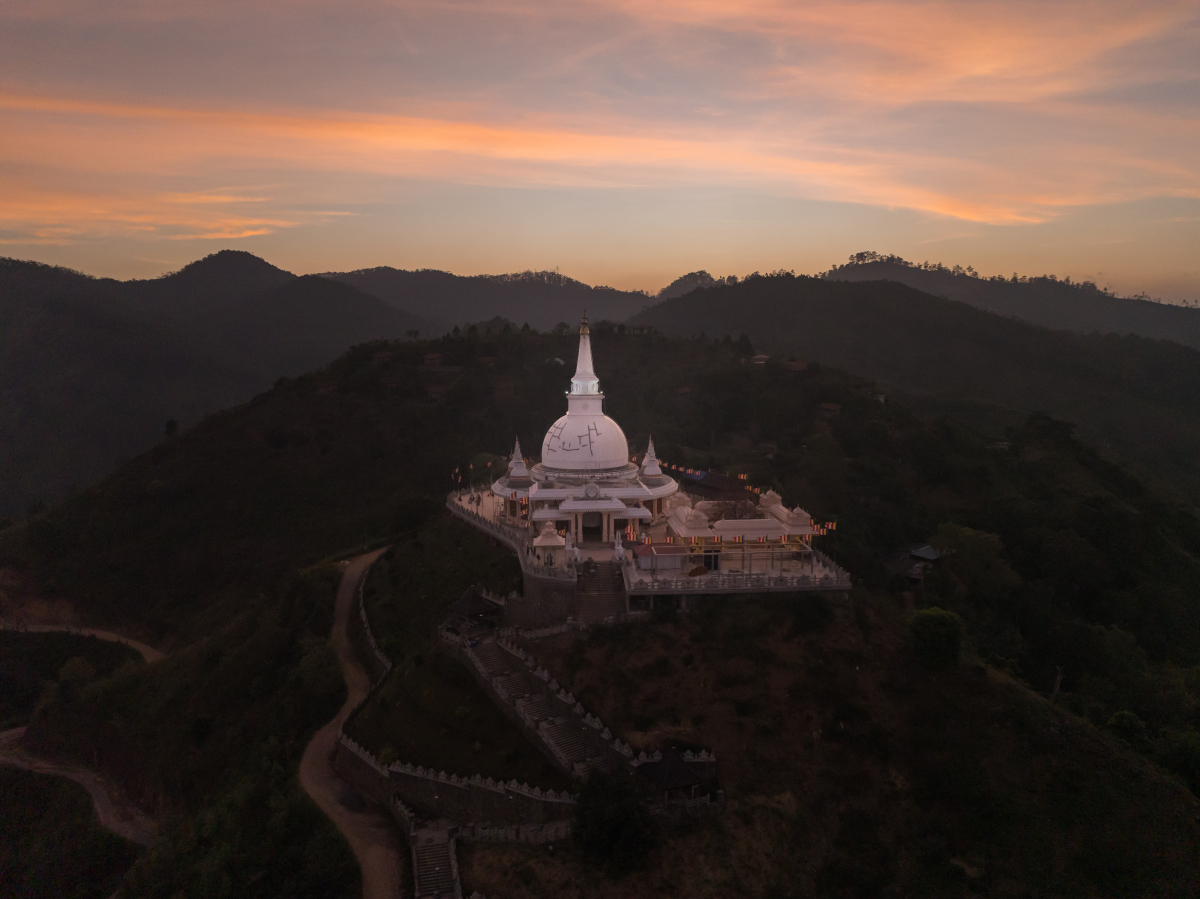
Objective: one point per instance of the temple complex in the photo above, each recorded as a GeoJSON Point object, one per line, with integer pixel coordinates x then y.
{"type": "Point", "coordinates": [602, 537]}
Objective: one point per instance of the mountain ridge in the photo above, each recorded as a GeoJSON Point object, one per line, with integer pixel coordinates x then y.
{"type": "Point", "coordinates": [1063, 305]}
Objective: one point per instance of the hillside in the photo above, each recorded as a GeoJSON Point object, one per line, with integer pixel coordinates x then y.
{"type": "Point", "coordinates": [1134, 396]}
{"type": "Point", "coordinates": [92, 369]}
{"type": "Point", "coordinates": [541, 299]}
{"type": "Point", "coordinates": [211, 544]}
{"type": "Point", "coordinates": [1062, 305]}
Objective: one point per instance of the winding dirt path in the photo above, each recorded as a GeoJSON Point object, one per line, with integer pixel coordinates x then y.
{"type": "Point", "coordinates": [113, 809]}
{"type": "Point", "coordinates": [149, 653]}
{"type": "Point", "coordinates": [370, 833]}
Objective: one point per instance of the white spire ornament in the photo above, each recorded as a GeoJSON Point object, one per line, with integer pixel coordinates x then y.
{"type": "Point", "coordinates": [650, 465]}
{"type": "Point", "coordinates": [585, 381]}
{"type": "Point", "coordinates": [516, 465]}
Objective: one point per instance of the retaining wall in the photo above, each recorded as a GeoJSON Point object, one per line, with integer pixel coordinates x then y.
{"type": "Point", "coordinates": [546, 601]}
{"type": "Point", "coordinates": [435, 794]}
{"type": "Point", "coordinates": [363, 640]}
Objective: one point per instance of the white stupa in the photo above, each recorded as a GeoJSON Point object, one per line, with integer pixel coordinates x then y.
{"type": "Point", "coordinates": [586, 484]}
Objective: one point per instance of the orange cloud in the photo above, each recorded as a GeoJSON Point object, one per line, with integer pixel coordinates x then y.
{"type": "Point", "coordinates": [155, 141]}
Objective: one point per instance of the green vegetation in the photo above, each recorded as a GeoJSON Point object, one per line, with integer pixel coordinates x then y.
{"type": "Point", "coordinates": [211, 737]}
{"type": "Point", "coordinates": [537, 298]}
{"type": "Point", "coordinates": [91, 368]}
{"type": "Point", "coordinates": [937, 637]}
{"type": "Point", "coordinates": [1057, 559]}
{"type": "Point", "coordinates": [1133, 396]}
{"type": "Point", "coordinates": [852, 769]}
{"type": "Point", "coordinates": [34, 665]}
{"type": "Point", "coordinates": [51, 845]}
{"type": "Point", "coordinates": [613, 825]}
{"type": "Point", "coordinates": [430, 711]}
{"type": "Point", "coordinates": [1064, 304]}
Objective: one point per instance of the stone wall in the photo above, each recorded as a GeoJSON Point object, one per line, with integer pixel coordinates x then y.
{"type": "Point", "coordinates": [547, 601]}
{"type": "Point", "coordinates": [425, 793]}
{"type": "Point", "coordinates": [363, 640]}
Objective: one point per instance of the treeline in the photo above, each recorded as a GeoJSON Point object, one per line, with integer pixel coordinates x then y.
{"type": "Point", "coordinates": [1134, 396]}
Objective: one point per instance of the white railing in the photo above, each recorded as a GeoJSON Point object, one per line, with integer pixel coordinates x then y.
{"type": "Point", "coordinates": [538, 633]}
{"type": "Point", "coordinates": [733, 583]}
{"type": "Point", "coordinates": [515, 538]}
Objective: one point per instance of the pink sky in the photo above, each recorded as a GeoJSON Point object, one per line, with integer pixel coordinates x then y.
{"type": "Point", "coordinates": [623, 143]}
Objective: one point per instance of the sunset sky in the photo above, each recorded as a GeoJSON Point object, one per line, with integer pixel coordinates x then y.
{"type": "Point", "coordinates": [623, 143]}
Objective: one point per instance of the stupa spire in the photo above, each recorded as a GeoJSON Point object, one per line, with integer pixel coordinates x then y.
{"type": "Point", "coordinates": [516, 465]}
{"type": "Point", "coordinates": [585, 380]}
{"type": "Point", "coordinates": [650, 463]}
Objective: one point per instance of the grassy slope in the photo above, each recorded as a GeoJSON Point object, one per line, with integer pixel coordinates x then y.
{"type": "Point", "coordinates": [51, 845]}
{"type": "Point", "coordinates": [32, 664]}
{"type": "Point", "coordinates": [91, 369]}
{"type": "Point", "coordinates": [850, 770]}
{"type": "Point", "coordinates": [431, 711]}
{"type": "Point", "coordinates": [1133, 395]}
{"type": "Point", "coordinates": [209, 739]}
{"type": "Point", "coordinates": [199, 541]}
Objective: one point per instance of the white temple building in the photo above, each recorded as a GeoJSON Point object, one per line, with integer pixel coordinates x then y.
{"type": "Point", "coordinates": [599, 536]}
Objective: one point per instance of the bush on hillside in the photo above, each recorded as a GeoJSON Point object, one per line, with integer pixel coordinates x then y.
{"type": "Point", "coordinates": [937, 637]}
{"type": "Point", "coordinates": [613, 824]}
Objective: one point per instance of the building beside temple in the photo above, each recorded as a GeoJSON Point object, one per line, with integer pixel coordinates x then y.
{"type": "Point", "coordinates": [601, 537]}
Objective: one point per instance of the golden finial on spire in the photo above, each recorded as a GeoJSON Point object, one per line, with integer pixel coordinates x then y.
{"type": "Point", "coordinates": [583, 329]}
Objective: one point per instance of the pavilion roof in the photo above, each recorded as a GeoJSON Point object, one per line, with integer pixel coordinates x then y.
{"type": "Point", "coordinates": [473, 604]}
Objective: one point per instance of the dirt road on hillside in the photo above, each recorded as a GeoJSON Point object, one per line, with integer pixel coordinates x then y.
{"type": "Point", "coordinates": [115, 811]}
{"type": "Point", "coordinates": [370, 832]}
{"type": "Point", "coordinates": [149, 653]}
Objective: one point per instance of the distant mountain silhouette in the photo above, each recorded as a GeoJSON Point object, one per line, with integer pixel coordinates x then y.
{"type": "Point", "coordinates": [1065, 305]}
{"type": "Point", "coordinates": [689, 282]}
{"type": "Point", "coordinates": [1133, 395]}
{"type": "Point", "coordinates": [541, 299]}
{"type": "Point", "coordinates": [92, 368]}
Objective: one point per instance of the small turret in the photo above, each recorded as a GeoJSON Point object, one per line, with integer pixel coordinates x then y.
{"type": "Point", "coordinates": [516, 464]}
{"type": "Point", "coordinates": [650, 465]}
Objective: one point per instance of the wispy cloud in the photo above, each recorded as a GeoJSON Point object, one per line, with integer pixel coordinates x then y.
{"type": "Point", "coordinates": [166, 119]}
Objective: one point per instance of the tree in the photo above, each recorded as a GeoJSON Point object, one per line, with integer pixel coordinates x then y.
{"type": "Point", "coordinates": [613, 824]}
{"type": "Point", "coordinates": [975, 559]}
{"type": "Point", "coordinates": [936, 637]}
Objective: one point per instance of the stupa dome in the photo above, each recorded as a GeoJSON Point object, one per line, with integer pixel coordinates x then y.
{"type": "Point", "coordinates": [585, 441]}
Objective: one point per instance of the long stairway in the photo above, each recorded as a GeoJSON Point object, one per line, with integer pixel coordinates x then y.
{"type": "Point", "coordinates": [600, 593]}
{"type": "Point", "coordinates": [577, 745]}
{"type": "Point", "coordinates": [434, 871]}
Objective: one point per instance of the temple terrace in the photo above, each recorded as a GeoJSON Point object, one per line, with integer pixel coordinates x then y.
{"type": "Point", "coordinates": [601, 537]}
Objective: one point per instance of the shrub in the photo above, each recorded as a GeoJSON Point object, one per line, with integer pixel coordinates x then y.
{"type": "Point", "coordinates": [613, 824]}
{"type": "Point", "coordinates": [936, 637]}
{"type": "Point", "coordinates": [1128, 727]}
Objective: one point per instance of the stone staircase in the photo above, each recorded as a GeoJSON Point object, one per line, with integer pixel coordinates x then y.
{"type": "Point", "coordinates": [578, 746]}
{"type": "Point", "coordinates": [435, 873]}
{"type": "Point", "coordinates": [600, 594]}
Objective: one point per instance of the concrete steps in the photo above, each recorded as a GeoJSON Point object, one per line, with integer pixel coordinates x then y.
{"type": "Point", "coordinates": [494, 659]}
{"type": "Point", "coordinates": [601, 594]}
{"type": "Point", "coordinates": [434, 871]}
{"type": "Point", "coordinates": [541, 707]}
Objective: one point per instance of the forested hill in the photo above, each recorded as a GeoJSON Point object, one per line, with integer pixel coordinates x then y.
{"type": "Point", "coordinates": [213, 541]}
{"type": "Point", "coordinates": [1065, 305]}
{"type": "Point", "coordinates": [541, 299]}
{"type": "Point", "coordinates": [91, 369]}
{"type": "Point", "coordinates": [1135, 396]}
